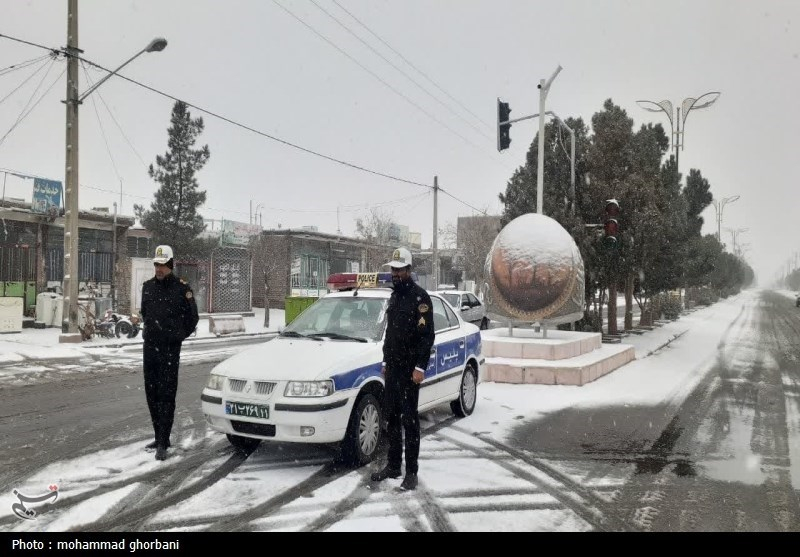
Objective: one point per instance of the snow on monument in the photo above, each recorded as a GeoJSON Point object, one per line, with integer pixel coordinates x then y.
{"type": "Point", "coordinates": [534, 273]}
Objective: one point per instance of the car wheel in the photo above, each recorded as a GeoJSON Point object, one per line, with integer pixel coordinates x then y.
{"type": "Point", "coordinates": [244, 445]}
{"type": "Point", "coordinates": [467, 393]}
{"type": "Point", "coordinates": [484, 324]}
{"type": "Point", "coordinates": [364, 432]}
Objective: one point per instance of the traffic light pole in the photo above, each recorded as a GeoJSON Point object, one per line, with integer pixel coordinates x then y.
{"type": "Point", "coordinates": [544, 88]}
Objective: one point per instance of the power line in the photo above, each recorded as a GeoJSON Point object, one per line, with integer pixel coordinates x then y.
{"type": "Point", "coordinates": [128, 141]}
{"type": "Point", "coordinates": [478, 118]}
{"type": "Point", "coordinates": [376, 76]}
{"type": "Point", "coordinates": [24, 114]}
{"type": "Point", "coordinates": [258, 132]}
{"type": "Point", "coordinates": [52, 50]}
{"type": "Point", "coordinates": [100, 122]}
{"type": "Point", "coordinates": [26, 80]}
{"type": "Point", "coordinates": [369, 46]}
{"type": "Point", "coordinates": [22, 65]}
{"type": "Point", "coordinates": [250, 129]}
{"type": "Point", "coordinates": [481, 211]}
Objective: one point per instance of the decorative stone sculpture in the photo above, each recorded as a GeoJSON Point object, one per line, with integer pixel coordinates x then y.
{"type": "Point", "coordinates": [534, 273]}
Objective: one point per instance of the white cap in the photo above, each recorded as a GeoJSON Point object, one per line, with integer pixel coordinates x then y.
{"type": "Point", "coordinates": [401, 257]}
{"type": "Point", "coordinates": [163, 254]}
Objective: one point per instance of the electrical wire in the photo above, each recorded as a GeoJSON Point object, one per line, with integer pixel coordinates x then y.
{"type": "Point", "coordinates": [263, 134]}
{"type": "Point", "coordinates": [373, 74]}
{"type": "Point", "coordinates": [451, 97]}
{"type": "Point", "coordinates": [52, 50]}
{"type": "Point", "coordinates": [462, 201]}
{"type": "Point", "coordinates": [26, 80]}
{"type": "Point", "coordinates": [243, 126]}
{"type": "Point", "coordinates": [411, 79]}
{"type": "Point", "coordinates": [100, 122]}
{"type": "Point", "coordinates": [24, 115]}
{"type": "Point", "coordinates": [22, 65]}
{"type": "Point", "coordinates": [124, 135]}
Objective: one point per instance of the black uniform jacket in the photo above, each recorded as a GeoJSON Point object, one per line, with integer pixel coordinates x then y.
{"type": "Point", "coordinates": [169, 310]}
{"type": "Point", "coordinates": [409, 330]}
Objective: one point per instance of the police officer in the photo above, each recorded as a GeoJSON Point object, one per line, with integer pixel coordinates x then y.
{"type": "Point", "coordinates": [170, 315]}
{"type": "Point", "coordinates": [406, 351]}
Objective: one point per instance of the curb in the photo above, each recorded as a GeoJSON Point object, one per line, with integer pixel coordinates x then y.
{"type": "Point", "coordinates": [654, 350]}
{"type": "Point", "coordinates": [189, 339]}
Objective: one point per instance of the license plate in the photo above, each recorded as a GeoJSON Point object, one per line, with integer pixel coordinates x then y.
{"type": "Point", "coordinates": [247, 410]}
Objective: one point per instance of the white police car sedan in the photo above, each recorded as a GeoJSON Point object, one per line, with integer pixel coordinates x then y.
{"type": "Point", "coordinates": [320, 380]}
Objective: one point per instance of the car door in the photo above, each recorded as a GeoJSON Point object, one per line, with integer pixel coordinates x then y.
{"type": "Point", "coordinates": [476, 309]}
{"type": "Point", "coordinates": [449, 355]}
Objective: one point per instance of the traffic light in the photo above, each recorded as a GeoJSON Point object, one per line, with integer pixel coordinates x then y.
{"type": "Point", "coordinates": [503, 127]}
{"type": "Point", "coordinates": [611, 224]}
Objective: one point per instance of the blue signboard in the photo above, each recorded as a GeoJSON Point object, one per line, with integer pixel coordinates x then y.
{"type": "Point", "coordinates": [46, 194]}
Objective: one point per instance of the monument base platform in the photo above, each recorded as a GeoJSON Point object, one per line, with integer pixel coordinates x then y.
{"type": "Point", "coordinates": [563, 358]}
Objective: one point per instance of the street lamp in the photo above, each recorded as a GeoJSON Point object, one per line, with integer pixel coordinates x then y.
{"type": "Point", "coordinates": [678, 126]}
{"type": "Point", "coordinates": [156, 45]}
{"type": "Point", "coordinates": [69, 326]}
{"type": "Point", "coordinates": [719, 206]}
{"type": "Point", "coordinates": [734, 236]}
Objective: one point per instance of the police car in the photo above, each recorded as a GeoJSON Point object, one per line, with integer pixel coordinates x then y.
{"type": "Point", "coordinates": [320, 380]}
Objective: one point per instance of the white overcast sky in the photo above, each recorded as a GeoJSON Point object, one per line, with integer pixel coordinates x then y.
{"type": "Point", "coordinates": [253, 62]}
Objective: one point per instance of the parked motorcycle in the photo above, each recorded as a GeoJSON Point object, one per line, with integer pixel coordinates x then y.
{"type": "Point", "coordinates": [105, 327]}
{"type": "Point", "coordinates": [127, 326]}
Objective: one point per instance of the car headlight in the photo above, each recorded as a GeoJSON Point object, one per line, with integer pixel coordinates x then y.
{"type": "Point", "coordinates": [215, 382]}
{"type": "Point", "coordinates": [309, 388]}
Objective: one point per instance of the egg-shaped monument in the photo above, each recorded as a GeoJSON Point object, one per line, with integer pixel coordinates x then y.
{"type": "Point", "coordinates": [534, 273]}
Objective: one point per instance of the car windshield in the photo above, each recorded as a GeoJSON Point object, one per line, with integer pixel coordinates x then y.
{"type": "Point", "coordinates": [341, 318]}
{"type": "Point", "coordinates": [452, 299]}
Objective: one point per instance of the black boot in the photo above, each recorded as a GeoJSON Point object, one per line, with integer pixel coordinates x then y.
{"type": "Point", "coordinates": [161, 453]}
{"type": "Point", "coordinates": [154, 445]}
{"type": "Point", "coordinates": [385, 473]}
{"type": "Point", "coordinates": [409, 482]}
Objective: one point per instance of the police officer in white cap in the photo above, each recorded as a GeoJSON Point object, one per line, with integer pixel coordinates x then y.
{"type": "Point", "coordinates": [406, 351]}
{"type": "Point", "coordinates": [170, 315]}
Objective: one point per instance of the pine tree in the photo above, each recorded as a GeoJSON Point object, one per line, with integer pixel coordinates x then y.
{"type": "Point", "coordinates": [173, 218]}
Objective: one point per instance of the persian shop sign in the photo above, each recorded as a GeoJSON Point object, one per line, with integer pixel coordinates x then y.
{"type": "Point", "coordinates": [46, 194]}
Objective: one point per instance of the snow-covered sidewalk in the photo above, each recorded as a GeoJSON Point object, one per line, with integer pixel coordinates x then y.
{"type": "Point", "coordinates": [42, 344]}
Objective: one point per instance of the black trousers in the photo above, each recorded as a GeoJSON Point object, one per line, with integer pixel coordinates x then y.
{"type": "Point", "coordinates": [401, 401]}
{"type": "Point", "coordinates": [161, 362]}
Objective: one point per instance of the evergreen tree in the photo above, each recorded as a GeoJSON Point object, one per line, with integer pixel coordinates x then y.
{"type": "Point", "coordinates": [698, 196]}
{"type": "Point", "coordinates": [173, 218]}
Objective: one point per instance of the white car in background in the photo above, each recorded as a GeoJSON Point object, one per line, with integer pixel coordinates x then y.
{"type": "Point", "coordinates": [468, 305]}
{"type": "Point", "coordinates": [320, 380]}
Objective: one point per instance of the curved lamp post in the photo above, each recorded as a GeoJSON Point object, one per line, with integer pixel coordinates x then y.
{"type": "Point", "coordinates": [719, 206]}
{"type": "Point", "coordinates": [737, 246]}
{"type": "Point", "coordinates": [678, 125]}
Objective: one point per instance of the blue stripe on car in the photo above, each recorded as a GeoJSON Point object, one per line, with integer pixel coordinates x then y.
{"type": "Point", "coordinates": [474, 343]}
{"type": "Point", "coordinates": [355, 377]}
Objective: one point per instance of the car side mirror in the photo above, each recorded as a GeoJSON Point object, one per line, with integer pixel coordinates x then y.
{"type": "Point", "coordinates": [465, 307]}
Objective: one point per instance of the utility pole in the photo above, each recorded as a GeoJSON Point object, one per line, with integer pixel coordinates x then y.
{"type": "Point", "coordinates": [436, 232]}
{"type": "Point", "coordinates": [114, 260]}
{"type": "Point", "coordinates": [69, 326]}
